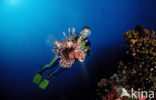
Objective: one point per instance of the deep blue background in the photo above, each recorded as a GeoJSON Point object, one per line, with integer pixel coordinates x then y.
{"type": "Point", "coordinates": [28, 27]}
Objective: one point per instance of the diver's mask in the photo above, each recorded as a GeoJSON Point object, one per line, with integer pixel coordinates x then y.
{"type": "Point", "coordinates": [85, 32]}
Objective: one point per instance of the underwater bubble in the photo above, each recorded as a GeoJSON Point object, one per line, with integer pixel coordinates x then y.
{"type": "Point", "coordinates": [50, 40]}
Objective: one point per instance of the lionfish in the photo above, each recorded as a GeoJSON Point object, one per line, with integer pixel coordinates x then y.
{"type": "Point", "coordinates": [69, 51]}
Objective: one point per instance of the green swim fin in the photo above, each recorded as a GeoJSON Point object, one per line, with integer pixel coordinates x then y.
{"type": "Point", "coordinates": [37, 78]}
{"type": "Point", "coordinates": [43, 85]}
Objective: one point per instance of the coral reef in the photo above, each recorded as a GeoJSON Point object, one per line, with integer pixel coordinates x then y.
{"type": "Point", "coordinates": [137, 69]}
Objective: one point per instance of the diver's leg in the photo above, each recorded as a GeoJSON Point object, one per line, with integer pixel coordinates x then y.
{"type": "Point", "coordinates": [59, 72]}
{"type": "Point", "coordinates": [37, 78]}
{"type": "Point", "coordinates": [46, 81]}
{"type": "Point", "coordinates": [50, 64]}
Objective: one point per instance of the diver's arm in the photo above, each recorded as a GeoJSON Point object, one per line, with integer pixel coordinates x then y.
{"type": "Point", "coordinates": [88, 51]}
{"type": "Point", "coordinates": [88, 48]}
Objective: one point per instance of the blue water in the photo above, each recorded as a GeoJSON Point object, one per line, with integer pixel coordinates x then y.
{"type": "Point", "coordinates": [27, 25]}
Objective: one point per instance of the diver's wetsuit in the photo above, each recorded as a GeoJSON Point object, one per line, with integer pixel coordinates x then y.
{"type": "Point", "coordinates": [85, 44]}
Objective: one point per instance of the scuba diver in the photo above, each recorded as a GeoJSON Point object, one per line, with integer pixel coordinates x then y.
{"type": "Point", "coordinates": [75, 48]}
